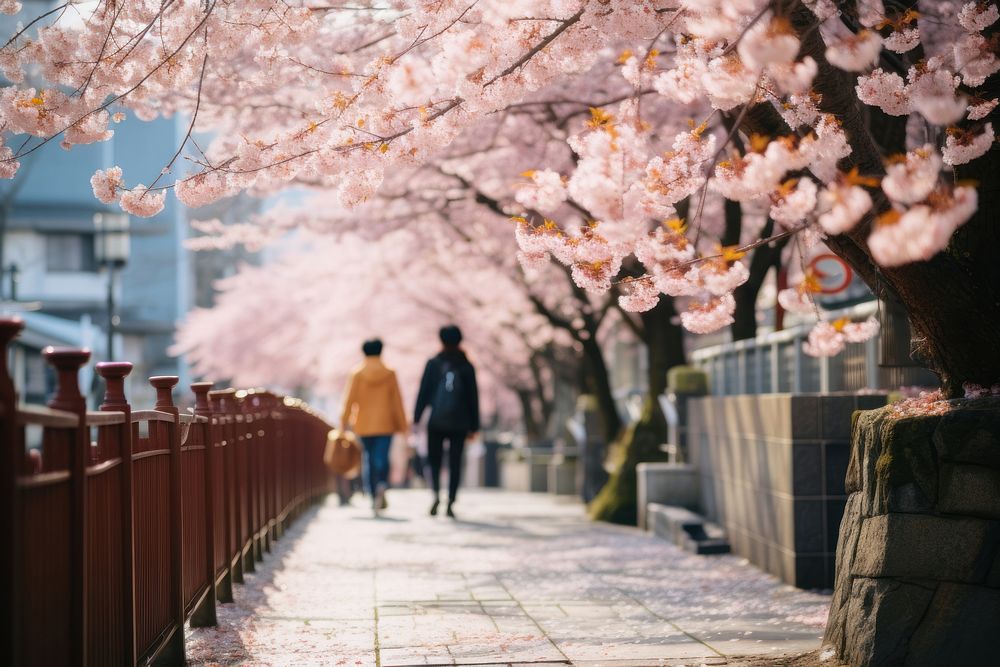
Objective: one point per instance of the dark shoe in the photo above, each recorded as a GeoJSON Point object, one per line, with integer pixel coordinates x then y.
{"type": "Point", "coordinates": [434, 508]}
{"type": "Point", "coordinates": [449, 512]}
{"type": "Point", "coordinates": [380, 501]}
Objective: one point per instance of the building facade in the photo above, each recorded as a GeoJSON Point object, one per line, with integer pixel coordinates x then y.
{"type": "Point", "coordinates": [53, 276]}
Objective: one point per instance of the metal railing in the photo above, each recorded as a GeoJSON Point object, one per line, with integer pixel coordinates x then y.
{"type": "Point", "coordinates": [776, 363]}
{"type": "Point", "coordinates": [124, 525]}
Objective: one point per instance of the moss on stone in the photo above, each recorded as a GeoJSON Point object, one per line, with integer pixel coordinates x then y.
{"type": "Point", "coordinates": [639, 444]}
{"type": "Point", "coordinates": [906, 457]}
{"type": "Point", "coordinates": [688, 380]}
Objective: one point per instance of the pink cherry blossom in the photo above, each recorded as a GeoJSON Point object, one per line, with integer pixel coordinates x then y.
{"type": "Point", "coordinates": [932, 93]}
{"type": "Point", "coordinates": [859, 332]}
{"type": "Point", "coordinates": [821, 152]}
{"type": "Point", "coordinates": [963, 146]}
{"type": "Point", "coordinates": [440, 104]}
{"type": "Point", "coordinates": [639, 295]}
{"type": "Point", "coordinates": [977, 16]}
{"type": "Point", "coordinates": [795, 205]}
{"type": "Point", "coordinates": [796, 300]}
{"type": "Point", "coordinates": [141, 202]}
{"type": "Point", "coordinates": [855, 52]}
{"type": "Point", "coordinates": [718, 277]}
{"type": "Point", "coordinates": [885, 90]}
{"type": "Point", "coordinates": [545, 193]}
{"type": "Point", "coordinates": [532, 262]}
{"type": "Point", "coordinates": [974, 60]}
{"type": "Point", "coordinates": [676, 282]}
{"type": "Point", "coordinates": [769, 41]}
{"type": "Point", "coordinates": [728, 82]}
{"type": "Point", "coordinates": [901, 41]}
{"type": "Point", "coordinates": [922, 231]}
{"type": "Point", "coordinates": [980, 109]}
{"type": "Point", "coordinates": [8, 165]}
{"type": "Point", "coordinates": [106, 184]}
{"type": "Point", "coordinates": [709, 316]}
{"type": "Point", "coordinates": [795, 78]}
{"type": "Point", "coordinates": [201, 189]}
{"type": "Point", "coordinates": [842, 206]}
{"type": "Point", "coordinates": [829, 339]}
{"type": "Point", "coordinates": [94, 127]}
{"type": "Point", "coordinates": [824, 341]}
{"type": "Point", "coordinates": [911, 179]}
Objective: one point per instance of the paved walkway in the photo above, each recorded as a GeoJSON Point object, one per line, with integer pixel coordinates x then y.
{"type": "Point", "coordinates": [518, 578]}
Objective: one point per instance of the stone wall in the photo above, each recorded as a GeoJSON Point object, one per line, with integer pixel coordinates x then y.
{"type": "Point", "coordinates": [918, 562]}
{"type": "Point", "coordinates": [771, 472]}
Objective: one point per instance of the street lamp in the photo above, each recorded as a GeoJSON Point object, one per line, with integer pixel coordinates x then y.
{"type": "Point", "coordinates": [15, 273]}
{"type": "Point", "coordinates": [111, 250]}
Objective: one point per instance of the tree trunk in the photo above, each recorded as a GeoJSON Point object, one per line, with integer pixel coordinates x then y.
{"type": "Point", "coordinates": [532, 429]}
{"type": "Point", "coordinates": [664, 341]}
{"type": "Point", "coordinates": [953, 299]}
{"type": "Point", "coordinates": [745, 317]}
{"type": "Point", "coordinates": [599, 384]}
{"type": "Point", "coordinates": [541, 389]}
{"type": "Point", "coordinates": [641, 441]}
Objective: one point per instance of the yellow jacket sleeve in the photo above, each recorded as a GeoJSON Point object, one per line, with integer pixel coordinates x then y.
{"type": "Point", "coordinates": [398, 412]}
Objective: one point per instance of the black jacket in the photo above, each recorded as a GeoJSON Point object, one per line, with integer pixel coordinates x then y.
{"type": "Point", "coordinates": [434, 375]}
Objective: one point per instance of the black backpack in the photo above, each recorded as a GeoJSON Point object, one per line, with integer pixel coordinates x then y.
{"type": "Point", "coordinates": [448, 404]}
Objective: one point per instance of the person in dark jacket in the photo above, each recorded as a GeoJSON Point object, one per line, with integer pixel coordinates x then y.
{"type": "Point", "coordinates": [449, 389]}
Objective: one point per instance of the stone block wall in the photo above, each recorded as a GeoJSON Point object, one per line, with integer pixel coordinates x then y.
{"type": "Point", "coordinates": [918, 563]}
{"type": "Point", "coordinates": [771, 472]}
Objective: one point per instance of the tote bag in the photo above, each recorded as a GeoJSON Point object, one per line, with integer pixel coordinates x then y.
{"type": "Point", "coordinates": [343, 454]}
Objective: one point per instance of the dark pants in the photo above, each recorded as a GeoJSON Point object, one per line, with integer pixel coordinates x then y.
{"type": "Point", "coordinates": [375, 466]}
{"type": "Point", "coordinates": [435, 452]}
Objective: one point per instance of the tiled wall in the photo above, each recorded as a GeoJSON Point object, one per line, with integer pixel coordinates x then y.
{"type": "Point", "coordinates": [772, 471]}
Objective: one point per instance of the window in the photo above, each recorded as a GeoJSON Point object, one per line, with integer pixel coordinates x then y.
{"type": "Point", "coordinates": [70, 252]}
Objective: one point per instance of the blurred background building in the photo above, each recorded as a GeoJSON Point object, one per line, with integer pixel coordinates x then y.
{"type": "Point", "coordinates": [76, 270]}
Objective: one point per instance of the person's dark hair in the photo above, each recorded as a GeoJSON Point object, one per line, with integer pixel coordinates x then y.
{"type": "Point", "coordinates": [372, 348]}
{"type": "Point", "coordinates": [450, 335]}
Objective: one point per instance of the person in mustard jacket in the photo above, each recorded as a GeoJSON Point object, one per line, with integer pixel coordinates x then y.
{"type": "Point", "coordinates": [373, 410]}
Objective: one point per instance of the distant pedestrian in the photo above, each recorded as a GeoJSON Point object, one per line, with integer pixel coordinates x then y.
{"type": "Point", "coordinates": [448, 388]}
{"type": "Point", "coordinates": [373, 409]}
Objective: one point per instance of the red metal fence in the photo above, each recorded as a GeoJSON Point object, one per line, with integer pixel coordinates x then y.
{"type": "Point", "coordinates": [126, 524]}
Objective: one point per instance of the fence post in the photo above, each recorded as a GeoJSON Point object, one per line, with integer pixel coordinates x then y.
{"type": "Point", "coordinates": [871, 362]}
{"type": "Point", "coordinates": [775, 369]}
{"type": "Point", "coordinates": [221, 400]}
{"type": "Point", "coordinates": [10, 464]}
{"type": "Point", "coordinates": [263, 436]}
{"type": "Point", "coordinates": [244, 456]}
{"type": "Point", "coordinates": [174, 653]}
{"type": "Point", "coordinates": [797, 363]}
{"type": "Point", "coordinates": [114, 374]}
{"type": "Point", "coordinates": [67, 362]}
{"type": "Point", "coordinates": [274, 506]}
{"type": "Point", "coordinates": [204, 615]}
{"type": "Point", "coordinates": [251, 415]}
{"type": "Point", "coordinates": [824, 375]}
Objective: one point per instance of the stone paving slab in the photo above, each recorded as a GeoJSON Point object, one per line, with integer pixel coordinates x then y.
{"type": "Point", "coordinates": [517, 579]}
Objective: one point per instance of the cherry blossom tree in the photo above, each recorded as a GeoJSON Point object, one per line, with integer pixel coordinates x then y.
{"type": "Point", "coordinates": [860, 123]}
{"type": "Point", "coordinates": [866, 125]}
{"type": "Point", "coordinates": [305, 314]}
{"type": "Point", "coordinates": [399, 82]}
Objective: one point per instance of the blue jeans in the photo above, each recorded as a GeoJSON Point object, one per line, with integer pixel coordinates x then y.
{"type": "Point", "coordinates": [375, 469]}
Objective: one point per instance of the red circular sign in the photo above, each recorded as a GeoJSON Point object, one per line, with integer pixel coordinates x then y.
{"type": "Point", "coordinates": [833, 273]}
